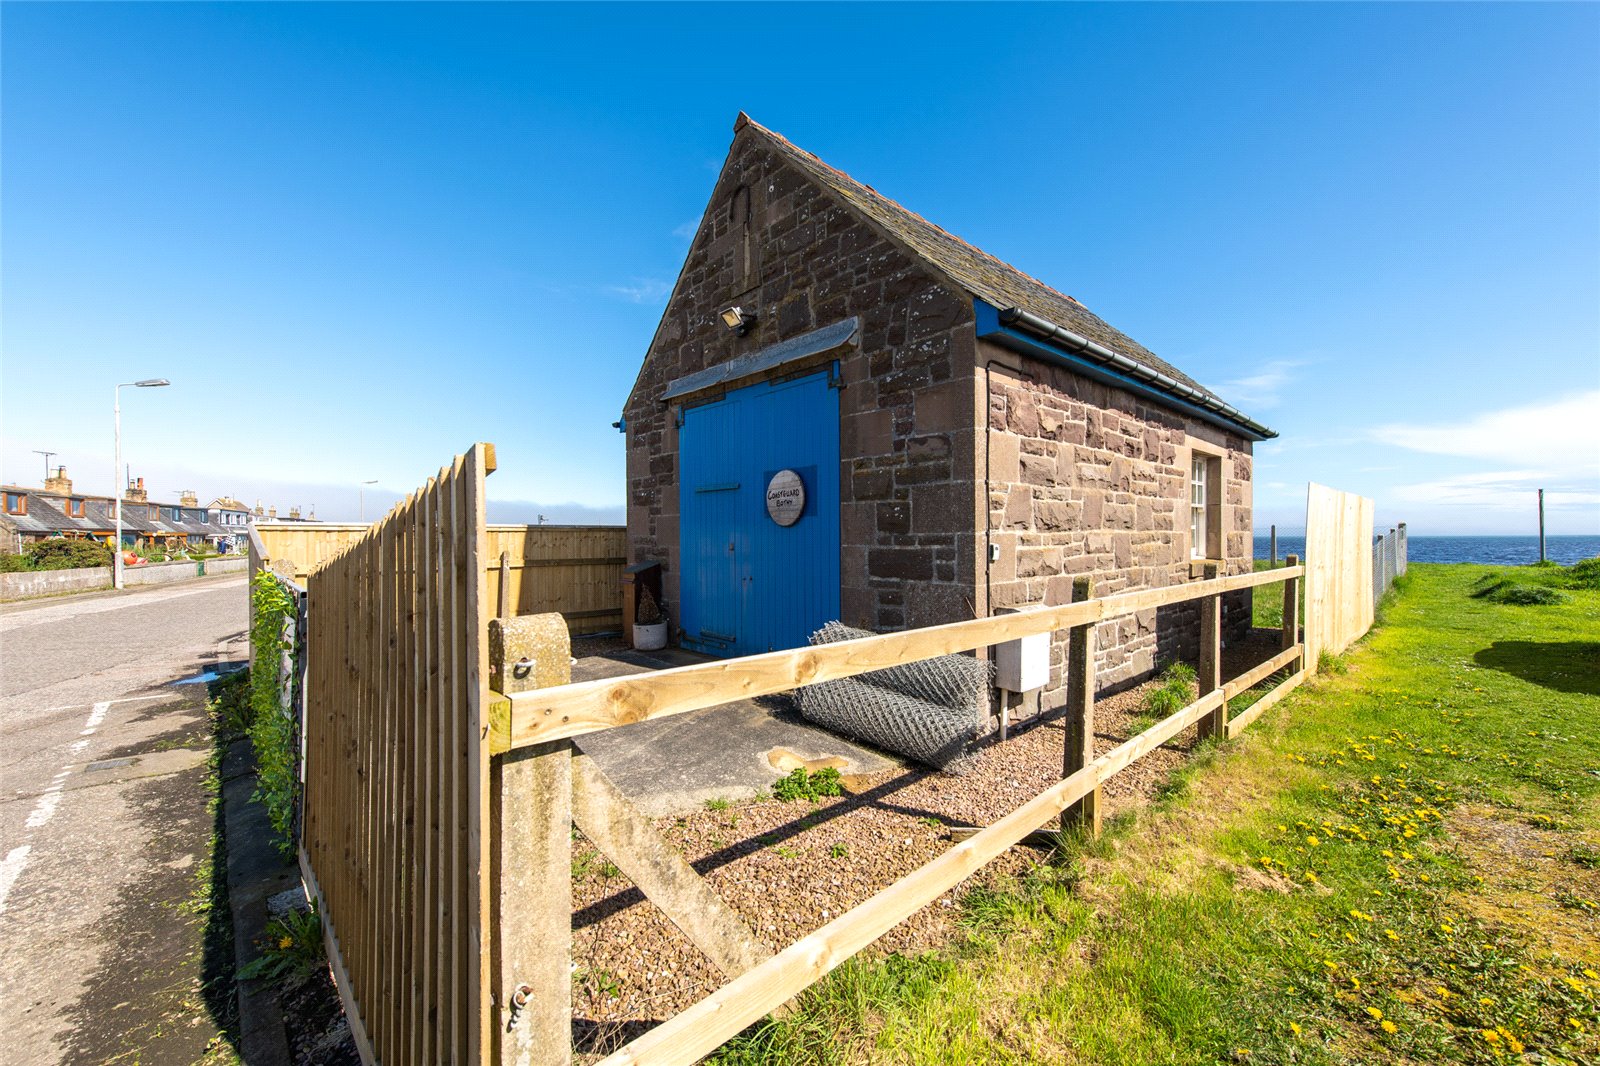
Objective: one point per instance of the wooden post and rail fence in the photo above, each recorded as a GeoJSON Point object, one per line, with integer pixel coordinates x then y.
{"type": "Point", "coordinates": [438, 813]}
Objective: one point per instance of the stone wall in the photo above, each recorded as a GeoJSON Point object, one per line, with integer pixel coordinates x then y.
{"type": "Point", "coordinates": [773, 240]}
{"type": "Point", "coordinates": [1089, 479]}
{"type": "Point", "coordinates": [29, 583]}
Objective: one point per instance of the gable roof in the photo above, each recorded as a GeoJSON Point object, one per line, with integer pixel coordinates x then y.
{"type": "Point", "coordinates": [979, 273]}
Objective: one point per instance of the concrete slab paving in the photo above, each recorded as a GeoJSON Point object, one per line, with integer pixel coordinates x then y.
{"type": "Point", "coordinates": [734, 751]}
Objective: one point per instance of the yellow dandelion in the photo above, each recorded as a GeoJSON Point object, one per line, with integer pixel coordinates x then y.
{"type": "Point", "coordinates": [1591, 975]}
{"type": "Point", "coordinates": [1485, 1001]}
{"type": "Point", "coordinates": [1355, 983]}
{"type": "Point", "coordinates": [1576, 1024]}
{"type": "Point", "coordinates": [1516, 1045]}
{"type": "Point", "coordinates": [1377, 1015]}
{"type": "Point", "coordinates": [1330, 964]}
{"type": "Point", "coordinates": [286, 942]}
{"type": "Point", "coordinates": [1391, 934]}
{"type": "Point", "coordinates": [1312, 841]}
{"type": "Point", "coordinates": [1444, 993]}
{"type": "Point", "coordinates": [1490, 1035]}
{"type": "Point", "coordinates": [1294, 1028]}
{"type": "Point", "coordinates": [1390, 1027]}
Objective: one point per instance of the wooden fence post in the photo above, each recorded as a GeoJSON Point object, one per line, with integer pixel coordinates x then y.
{"type": "Point", "coordinates": [1291, 610]}
{"type": "Point", "coordinates": [1079, 750]}
{"type": "Point", "coordinates": [502, 600]}
{"type": "Point", "coordinates": [1215, 723]}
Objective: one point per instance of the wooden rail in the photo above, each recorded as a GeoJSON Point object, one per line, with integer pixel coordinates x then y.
{"type": "Point", "coordinates": [544, 721]}
{"type": "Point", "coordinates": [685, 1038]}
{"type": "Point", "coordinates": [572, 710]}
{"type": "Point", "coordinates": [396, 789]}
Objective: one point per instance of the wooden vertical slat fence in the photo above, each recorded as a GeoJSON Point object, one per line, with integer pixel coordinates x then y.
{"type": "Point", "coordinates": [574, 571]}
{"type": "Point", "coordinates": [396, 796]}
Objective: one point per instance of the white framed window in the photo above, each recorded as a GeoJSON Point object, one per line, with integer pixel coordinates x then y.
{"type": "Point", "coordinates": [1198, 503]}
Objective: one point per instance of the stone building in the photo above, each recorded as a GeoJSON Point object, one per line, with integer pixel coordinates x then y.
{"type": "Point", "coordinates": [847, 412]}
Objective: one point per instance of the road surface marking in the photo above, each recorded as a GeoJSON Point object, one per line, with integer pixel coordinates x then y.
{"type": "Point", "coordinates": [10, 869]}
{"type": "Point", "coordinates": [125, 699]}
{"type": "Point", "coordinates": [17, 858]}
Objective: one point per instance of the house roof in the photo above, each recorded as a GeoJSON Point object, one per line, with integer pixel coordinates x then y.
{"type": "Point", "coordinates": [47, 514]}
{"type": "Point", "coordinates": [979, 273]}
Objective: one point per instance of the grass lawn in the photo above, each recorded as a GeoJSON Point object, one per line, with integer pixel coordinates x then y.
{"type": "Point", "coordinates": [1398, 863]}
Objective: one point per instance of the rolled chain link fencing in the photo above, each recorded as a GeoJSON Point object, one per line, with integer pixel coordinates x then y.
{"type": "Point", "coordinates": [932, 711]}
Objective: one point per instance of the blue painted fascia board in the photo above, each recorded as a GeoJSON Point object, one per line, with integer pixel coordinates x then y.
{"type": "Point", "coordinates": [989, 327]}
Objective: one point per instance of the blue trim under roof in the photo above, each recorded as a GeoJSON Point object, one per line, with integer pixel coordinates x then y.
{"type": "Point", "coordinates": [761, 360]}
{"type": "Point", "coordinates": [989, 327]}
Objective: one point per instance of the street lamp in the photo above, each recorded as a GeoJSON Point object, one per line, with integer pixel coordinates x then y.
{"type": "Point", "coordinates": [363, 497]}
{"type": "Point", "coordinates": [116, 471]}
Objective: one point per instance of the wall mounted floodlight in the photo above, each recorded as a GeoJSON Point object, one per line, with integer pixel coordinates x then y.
{"type": "Point", "coordinates": [739, 320]}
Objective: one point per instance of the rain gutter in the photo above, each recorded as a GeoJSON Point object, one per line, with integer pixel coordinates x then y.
{"type": "Point", "coordinates": [1025, 332]}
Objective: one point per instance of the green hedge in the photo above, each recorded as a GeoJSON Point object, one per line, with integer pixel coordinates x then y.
{"type": "Point", "coordinates": [272, 733]}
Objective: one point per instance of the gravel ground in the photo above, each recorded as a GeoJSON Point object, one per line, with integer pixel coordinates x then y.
{"type": "Point", "coordinates": [788, 868]}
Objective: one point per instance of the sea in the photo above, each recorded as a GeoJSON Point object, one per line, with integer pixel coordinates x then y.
{"type": "Point", "coordinates": [1494, 551]}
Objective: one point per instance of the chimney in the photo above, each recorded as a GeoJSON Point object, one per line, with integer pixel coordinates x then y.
{"type": "Point", "coordinates": [259, 511]}
{"type": "Point", "coordinates": [59, 483]}
{"type": "Point", "coordinates": [187, 498]}
{"type": "Point", "coordinates": [136, 493]}
{"type": "Point", "coordinates": [294, 514]}
{"type": "Point", "coordinates": [272, 512]}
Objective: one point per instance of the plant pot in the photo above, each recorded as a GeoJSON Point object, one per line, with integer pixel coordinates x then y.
{"type": "Point", "coordinates": [651, 637]}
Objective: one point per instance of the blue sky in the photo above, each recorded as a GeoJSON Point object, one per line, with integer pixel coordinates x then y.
{"type": "Point", "coordinates": [358, 238]}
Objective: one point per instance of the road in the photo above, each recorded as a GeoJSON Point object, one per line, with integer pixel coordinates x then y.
{"type": "Point", "coordinates": [105, 829]}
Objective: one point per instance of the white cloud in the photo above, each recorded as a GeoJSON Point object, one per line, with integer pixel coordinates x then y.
{"type": "Point", "coordinates": [1499, 491]}
{"type": "Point", "coordinates": [642, 290]}
{"type": "Point", "coordinates": [687, 231]}
{"type": "Point", "coordinates": [1560, 438]}
{"type": "Point", "coordinates": [1262, 389]}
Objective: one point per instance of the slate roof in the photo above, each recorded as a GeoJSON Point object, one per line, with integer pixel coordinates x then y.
{"type": "Point", "coordinates": [980, 273]}
{"type": "Point", "coordinates": [47, 514]}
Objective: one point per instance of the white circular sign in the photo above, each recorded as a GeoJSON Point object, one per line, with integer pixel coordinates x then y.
{"type": "Point", "coordinates": [786, 497]}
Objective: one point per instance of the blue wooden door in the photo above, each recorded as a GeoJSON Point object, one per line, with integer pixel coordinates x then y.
{"type": "Point", "coordinates": [749, 584]}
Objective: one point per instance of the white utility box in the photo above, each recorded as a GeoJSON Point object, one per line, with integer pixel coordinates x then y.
{"type": "Point", "coordinates": [1023, 665]}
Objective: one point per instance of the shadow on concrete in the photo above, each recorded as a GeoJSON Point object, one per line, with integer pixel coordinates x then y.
{"type": "Point", "coordinates": [1561, 665]}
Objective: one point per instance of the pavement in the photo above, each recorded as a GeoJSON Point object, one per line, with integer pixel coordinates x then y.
{"type": "Point", "coordinates": [733, 751]}
{"type": "Point", "coordinates": [105, 825]}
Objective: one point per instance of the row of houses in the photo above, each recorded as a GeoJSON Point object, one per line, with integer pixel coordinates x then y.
{"type": "Point", "coordinates": [31, 514]}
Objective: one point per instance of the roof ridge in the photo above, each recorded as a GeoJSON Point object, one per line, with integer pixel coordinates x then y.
{"type": "Point", "coordinates": [746, 120]}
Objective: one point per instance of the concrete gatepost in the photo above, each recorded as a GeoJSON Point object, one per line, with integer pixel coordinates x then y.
{"type": "Point", "coordinates": [531, 793]}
